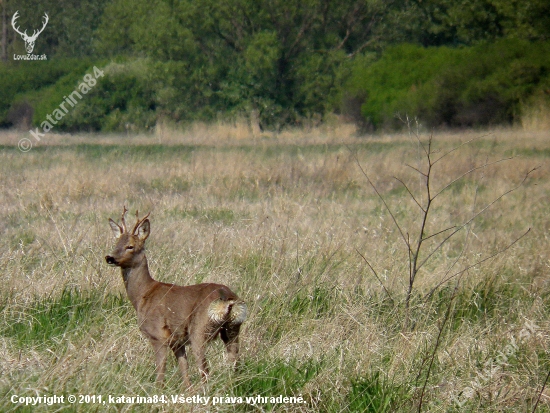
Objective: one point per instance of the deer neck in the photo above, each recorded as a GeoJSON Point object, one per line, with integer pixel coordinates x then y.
{"type": "Point", "coordinates": [137, 281]}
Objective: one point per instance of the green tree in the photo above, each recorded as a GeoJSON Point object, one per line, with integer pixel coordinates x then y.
{"type": "Point", "coordinates": [466, 22]}
{"type": "Point", "coordinates": [280, 58]}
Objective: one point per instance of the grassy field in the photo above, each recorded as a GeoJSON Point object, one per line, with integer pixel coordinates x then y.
{"type": "Point", "coordinates": [289, 223]}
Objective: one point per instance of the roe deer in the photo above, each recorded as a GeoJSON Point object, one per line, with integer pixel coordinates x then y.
{"type": "Point", "coordinates": [173, 316]}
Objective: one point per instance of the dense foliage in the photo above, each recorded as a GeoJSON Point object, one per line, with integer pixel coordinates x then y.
{"type": "Point", "coordinates": [276, 61]}
{"type": "Point", "coordinates": [481, 85]}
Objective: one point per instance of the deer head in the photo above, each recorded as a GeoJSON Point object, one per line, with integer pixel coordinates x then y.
{"type": "Point", "coordinates": [29, 40]}
{"type": "Point", "coordinates": [130, 246]}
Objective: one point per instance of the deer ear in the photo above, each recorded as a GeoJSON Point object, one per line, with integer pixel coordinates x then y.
{"type": "Point", "coordinates": [117, 229]}
{"type": "Point", "coordinates": [143, 230]}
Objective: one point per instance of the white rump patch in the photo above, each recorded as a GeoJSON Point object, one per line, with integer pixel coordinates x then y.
{"type": "Point", "coordinates": [220, 311]}
{"type": "Point", "coordinates": [217, 310]}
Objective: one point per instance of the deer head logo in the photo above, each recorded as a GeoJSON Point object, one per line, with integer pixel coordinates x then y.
{"type": "Point", "coordinates": [29, 40]}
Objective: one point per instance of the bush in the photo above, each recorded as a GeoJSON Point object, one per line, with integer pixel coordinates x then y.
{"type": "Point", "coordinates": [475, 86]}
{"type": "Point", "coordinates": [123, 96]}
{"type": "Point", "coordinates": [20, 82]}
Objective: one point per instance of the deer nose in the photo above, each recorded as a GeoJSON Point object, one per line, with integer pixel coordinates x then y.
{"type": "Point", "coordinates": [110, 260]}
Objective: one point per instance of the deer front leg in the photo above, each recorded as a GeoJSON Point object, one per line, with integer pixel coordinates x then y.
{"type": "Point", "coordinates": [181, 356]}
{"type": "Point", "coordinates": [161, 352]}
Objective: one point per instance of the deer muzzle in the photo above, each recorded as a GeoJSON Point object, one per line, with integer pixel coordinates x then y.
{"type": "Point", "coordinates": [110, 260]}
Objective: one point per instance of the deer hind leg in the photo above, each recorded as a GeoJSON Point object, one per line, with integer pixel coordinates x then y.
{"type": "Point", "coordinates": [199, 349]}
{"type": "Point", "coordinates": [230, 336]}
{"type": "Point", "coordinates": [181, 356]}
{"type": "Point", "coordinates": [161, 351]}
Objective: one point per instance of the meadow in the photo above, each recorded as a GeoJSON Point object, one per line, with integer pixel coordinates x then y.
{"type": "Point", "coordinates": [290, 222]}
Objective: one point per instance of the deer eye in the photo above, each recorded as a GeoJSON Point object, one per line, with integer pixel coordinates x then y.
{"type": "Point", "coordinates": [129, 247]}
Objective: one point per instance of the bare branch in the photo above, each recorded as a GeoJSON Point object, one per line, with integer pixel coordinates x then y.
{"type": "Point", "coordinates": [485, 165]}
{"type": "Point", "coordinates": [541, 391]}
{"type": "Point", "coordinates": [382, 199]}
{"type": "Point", "coordinates": [416, 134]}
{"type": "Point", "coordinates": [417, 170]}
{"type": "Point", "coordinates": [476, 215]}
{"type": "Point", "coordinates": [468, 232]}
{"type": "Point", "coordinates": [477, 263]}
{"type": "Point", "coordinates": [376, 275]}
{"type": "Point", "coordinates": [410, 193]}
{"type": "Point", "coordinates": [436, 346]}
{"type": "Point", "coordinates": [411, 277]}
{"type": "Point", "coordinates": [459, 146]}
{"type": "Point", "coordinates": [438, 232]}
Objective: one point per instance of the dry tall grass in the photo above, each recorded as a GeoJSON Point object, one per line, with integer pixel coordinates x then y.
{"type": "Point", "coordinates": [280, 219]}
{"type": "Point", "coordinates": [536, 115]}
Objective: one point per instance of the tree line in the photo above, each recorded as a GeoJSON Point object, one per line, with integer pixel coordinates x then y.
{"type": "Point", "coordinates": [282, 61]}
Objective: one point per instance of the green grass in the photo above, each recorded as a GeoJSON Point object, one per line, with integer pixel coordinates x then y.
{"type": "Point", "coordinates": [54, 319]}
{"type": "Point", "coordinates": [320, 302]}
{"type": "Point", "coordinates": [279, 377]}
{"type": "Point", "coordinates": [529, 152]}
{"type": "Point", "coordinates": [374, 394]}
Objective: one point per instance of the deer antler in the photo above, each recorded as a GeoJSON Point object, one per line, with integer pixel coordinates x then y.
{"type": "Point", "coordinates": [14, 18]}
{"type": "Point", "coordinates": [123, 219]}
{"type": "Point", "coordinates": [139, 221]}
